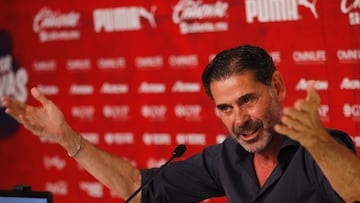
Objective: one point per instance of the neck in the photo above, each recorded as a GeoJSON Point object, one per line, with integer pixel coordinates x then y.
{"type": "Point", "coordinates": [265, 161]}
{"type": "Point", "coordinates": [270, 154]}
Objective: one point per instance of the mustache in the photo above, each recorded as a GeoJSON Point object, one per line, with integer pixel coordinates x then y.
{"type": "Point", "coordinates": [249, 126]}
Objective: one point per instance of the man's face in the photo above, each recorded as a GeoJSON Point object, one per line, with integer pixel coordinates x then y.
{"type": "Point", "coordinates": [248, 109]}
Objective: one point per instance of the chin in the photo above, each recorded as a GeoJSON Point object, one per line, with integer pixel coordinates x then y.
{"type": "Point", "coordinates": [255, 146]}
{"type": "Point", "coordinates": [254, 149]}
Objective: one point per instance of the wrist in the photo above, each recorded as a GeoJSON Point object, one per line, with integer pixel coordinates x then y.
{"type": "Point", "coordinates": [318, 138]}
{"type": "Point", "coordinates": [71, 141]}
{"type": "Point", "coordinates": [76, 150]}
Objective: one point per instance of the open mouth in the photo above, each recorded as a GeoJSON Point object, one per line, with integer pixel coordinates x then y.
{"type": "Point", "coordinates": [247, 134]}
{"type": "Point", "coordinates": [3, 73]}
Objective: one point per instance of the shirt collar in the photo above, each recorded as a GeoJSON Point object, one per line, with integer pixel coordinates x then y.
{"type": "Point", "coordinates": [287, 145]}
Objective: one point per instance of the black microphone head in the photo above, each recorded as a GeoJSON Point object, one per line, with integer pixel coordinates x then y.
{"type": "Point", "coordinates": [179, 151]}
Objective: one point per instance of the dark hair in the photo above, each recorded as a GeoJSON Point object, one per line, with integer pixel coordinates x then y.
{"type": "Point", "coordinates": [236, 60]}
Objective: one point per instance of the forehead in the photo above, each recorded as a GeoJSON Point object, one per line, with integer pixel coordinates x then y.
{"type": "Point", "coordinates": [235, 86]}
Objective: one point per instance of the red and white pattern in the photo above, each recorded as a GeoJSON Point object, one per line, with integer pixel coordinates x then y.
{"type": "Point", "coordinates": [128, 75]}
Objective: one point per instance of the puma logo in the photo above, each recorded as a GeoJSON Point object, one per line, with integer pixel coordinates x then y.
{"type": "Point", "coordinates": [310, 5]}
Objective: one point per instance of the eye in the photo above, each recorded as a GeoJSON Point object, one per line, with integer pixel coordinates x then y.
{"type": "Point", "coordinates": [224, 108]}
{"type": "Point", "coordinates": [247, 99]}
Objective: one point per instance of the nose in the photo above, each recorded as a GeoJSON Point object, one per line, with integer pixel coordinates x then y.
{"type": "Point", "coordinates": [241, 115]}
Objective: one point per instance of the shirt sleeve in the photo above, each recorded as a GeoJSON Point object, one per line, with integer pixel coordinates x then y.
{"type": "Point", "coordinates": [191, 180]}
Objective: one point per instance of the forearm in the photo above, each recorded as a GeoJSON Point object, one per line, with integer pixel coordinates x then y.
{"type": "Point", "coordinates": [117, 174]}
{"type": "Point", "coordinates": [340, 166]}
{"type": "Point", "coordinates": [48, 121]}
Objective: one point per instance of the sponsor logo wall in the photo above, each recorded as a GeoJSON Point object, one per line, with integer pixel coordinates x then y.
{"type": "Point", "coordinates": [128, 76]}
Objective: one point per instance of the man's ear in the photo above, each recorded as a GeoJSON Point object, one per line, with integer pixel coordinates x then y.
{"type": "Point", "coordinates": [278, 85]}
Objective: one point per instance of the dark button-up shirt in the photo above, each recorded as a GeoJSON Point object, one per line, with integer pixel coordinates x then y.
{"type": "Point", "coordinates": [227, 169]}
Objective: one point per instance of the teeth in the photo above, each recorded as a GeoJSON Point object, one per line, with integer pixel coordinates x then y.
{"type": "Point", "coordinates": [246, 134]}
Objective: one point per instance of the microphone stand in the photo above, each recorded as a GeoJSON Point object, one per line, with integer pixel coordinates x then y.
{"type": "Point", "coordinates": [179, 151]}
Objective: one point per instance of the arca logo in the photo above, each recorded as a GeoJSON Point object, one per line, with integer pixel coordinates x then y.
{"type": "Point", "coordinates": [319, 84]}
{"type": "Point", "coordinates": [114, 88]}
{"type": "Point", "coordinates": [348, 84]}
{"type": "Point", "coordinates": [77, 89]}
{"type": "Point", "coordinates": [48, 89]}
{"type": "Point", "coordinates": [154, 88]}
{"type": "Point", "coordinates": [277, 10]}
{"type": "Point", "coordinates": [191, 87]}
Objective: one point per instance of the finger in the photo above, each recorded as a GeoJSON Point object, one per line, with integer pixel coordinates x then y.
{"type": "Point", "coordinates": [312, 94]}
{"type": "Point", "coordinates": [3, 99]}
{"type": "Point", "coordinates": [13, 107]}
{"type": "Point", "coordinates": [284, 130]}
{"type": "Point", "coordinates": [294, 124]}
{"type": "Point", "coordinates": [299, 104]}
{"type": "Point", "coordinates": [305, 106]}
{"type": "Point", "coordinates": [16, 111]}
{"type": "Point", "coordinates": [30, 124]}
{"type": "Point", "coordinates": [39, 96]}
{"type": "Point", "coordinates": [300, 117]}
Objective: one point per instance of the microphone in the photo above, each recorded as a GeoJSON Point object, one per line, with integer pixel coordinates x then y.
{"type": "Point", "coordinates": [178, 152]}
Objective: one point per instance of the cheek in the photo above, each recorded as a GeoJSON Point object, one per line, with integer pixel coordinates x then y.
{"type": "Point", "coordinates": [257, 112]}
{"type": "Point", "coordinates": [227, 121]}
{"type": "Point", "coordinates": [261, 110]}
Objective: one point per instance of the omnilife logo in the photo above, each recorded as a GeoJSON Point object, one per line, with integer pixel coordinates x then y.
{"type": "Point", "coordinates": [277, 10]}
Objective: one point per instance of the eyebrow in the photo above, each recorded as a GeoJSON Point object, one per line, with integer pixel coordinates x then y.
{"type": "Point", "coordinates": [239, 100]}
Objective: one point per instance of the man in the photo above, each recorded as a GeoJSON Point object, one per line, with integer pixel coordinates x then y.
{"type": "Point", "coordinates": [273, 154]}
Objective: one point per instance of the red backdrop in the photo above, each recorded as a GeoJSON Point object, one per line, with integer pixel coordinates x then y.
{"type": "Point", "coordinates": [127, 75]}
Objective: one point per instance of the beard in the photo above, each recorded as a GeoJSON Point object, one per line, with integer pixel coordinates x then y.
{"type": "Point", "coordinates": [260, 142]}
{"type": "Point", "coordinates": [264, 130]}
